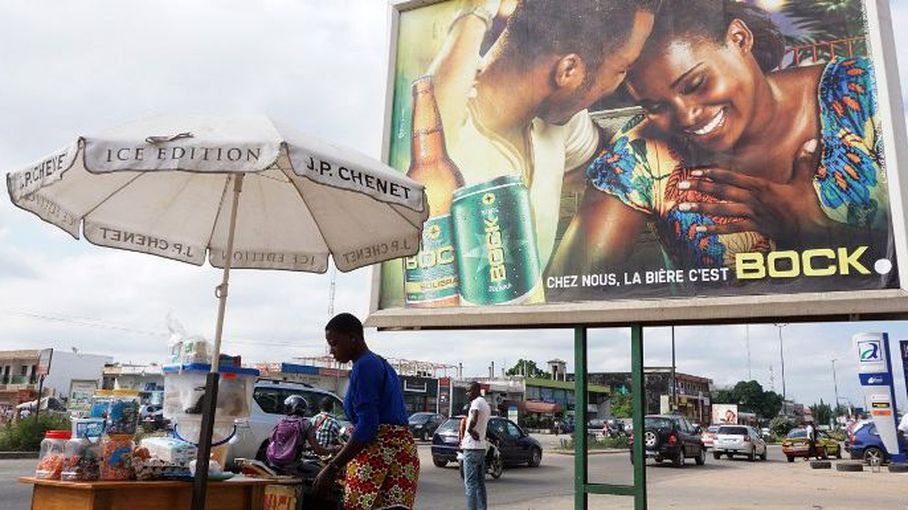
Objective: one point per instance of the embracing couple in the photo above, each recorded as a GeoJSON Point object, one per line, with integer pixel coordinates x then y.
{"type": "Point", "coordinates": [732, 154]}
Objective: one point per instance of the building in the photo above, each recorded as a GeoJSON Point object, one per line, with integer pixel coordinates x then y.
{"type": "Point", "coordinates": [19, 379]}
{"type": "Point", "coordinates": [692, 391]}
{"type": "Point", "coordinates": [148, 380]}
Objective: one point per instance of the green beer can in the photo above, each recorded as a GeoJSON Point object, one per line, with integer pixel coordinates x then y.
{"type": "Point", "coordinates": [495, 241]}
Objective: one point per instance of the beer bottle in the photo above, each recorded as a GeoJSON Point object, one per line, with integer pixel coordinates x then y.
{"type": "Point", "coordinates": [430, 277]}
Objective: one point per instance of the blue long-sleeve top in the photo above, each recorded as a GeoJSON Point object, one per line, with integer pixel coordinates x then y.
{"type": "Point", "coordinates": [374, 397]}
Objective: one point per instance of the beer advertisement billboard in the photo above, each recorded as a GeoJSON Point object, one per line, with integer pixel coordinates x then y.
{"type": "Point", "coordinates": [587, 154]}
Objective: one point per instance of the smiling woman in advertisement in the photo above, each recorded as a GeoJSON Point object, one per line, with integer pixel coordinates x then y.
{"type": "Point", "coordinates": [734, 155]}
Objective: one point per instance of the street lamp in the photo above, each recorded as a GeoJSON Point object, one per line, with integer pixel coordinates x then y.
{"type": "Point", "coordinates": [782, 357]}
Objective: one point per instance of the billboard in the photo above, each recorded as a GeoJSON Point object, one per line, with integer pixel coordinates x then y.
{"type": "Point", "coordinates": [80, 394]}
{"type": "Point", "coordinates": [44, 359]}
{"type": "Point", "coordinates": [591, 161]}
{"type": "Point", "coordinates": [725, 414]}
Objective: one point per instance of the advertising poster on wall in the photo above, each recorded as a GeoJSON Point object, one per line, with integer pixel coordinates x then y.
{"type": "Point", "coordinates": [80, 394]}
{"type": "Point", "coordinates": [585, 151]}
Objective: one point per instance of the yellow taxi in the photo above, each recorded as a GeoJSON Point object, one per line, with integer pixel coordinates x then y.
{"type": "Point", "coordinates": [795, 445]}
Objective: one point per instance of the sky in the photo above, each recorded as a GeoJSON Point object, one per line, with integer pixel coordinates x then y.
{"type": "Point", "coordinates": [72, 68]}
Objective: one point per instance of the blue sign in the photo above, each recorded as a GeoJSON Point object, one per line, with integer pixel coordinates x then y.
{"type": "Point", "coordinates": [882, 379]}
{"type": "Point", "coordinates": [903, 348]}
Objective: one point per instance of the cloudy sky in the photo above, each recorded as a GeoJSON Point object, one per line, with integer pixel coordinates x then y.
{"type": "Point", "coordinates": [70, 68]}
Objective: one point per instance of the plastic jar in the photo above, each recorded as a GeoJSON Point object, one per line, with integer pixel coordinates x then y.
{"type": "Point", "coordinates": [116, 457]}
{"type": "Point", "coordinates": [82, 460]}
{"type": "Point", "coordinates": [100, 404]}
{"type": "Point", "coordinates": [123, 417]}
{"type": "Point", "coordinates": [50, 458]}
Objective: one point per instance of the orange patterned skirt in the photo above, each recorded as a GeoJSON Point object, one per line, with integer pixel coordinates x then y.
{"type": "Point", "coordinates": [385, 474]}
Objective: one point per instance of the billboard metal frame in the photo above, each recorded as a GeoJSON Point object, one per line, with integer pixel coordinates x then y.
{"type": "Point", "coordinates": [802, 307]}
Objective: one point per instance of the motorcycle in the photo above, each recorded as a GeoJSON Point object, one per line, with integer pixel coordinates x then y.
{"type": "Point", "coordinates": [494, 463]}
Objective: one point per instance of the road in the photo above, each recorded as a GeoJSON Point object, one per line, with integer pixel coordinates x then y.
{"type": "Point", "coordinates": [719, 485]}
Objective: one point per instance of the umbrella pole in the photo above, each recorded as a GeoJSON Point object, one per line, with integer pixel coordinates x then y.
{"type": "Point", "coordinates": [200, 480]}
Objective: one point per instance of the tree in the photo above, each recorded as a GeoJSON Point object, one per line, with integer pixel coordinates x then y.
{"type": "Point", "coordinates": [752, 398]}
{"type": "Point", "coordinates": [822, 412]}
{"type": "Point", "coordinates": [622, 405]}
{"type": "Point", "coordinates": [528, 368]}
{"type": "Point", "coordinates": [825, 20]}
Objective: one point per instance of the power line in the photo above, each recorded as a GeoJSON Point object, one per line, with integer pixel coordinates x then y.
{"type": "Point", "coordinates": [99, 324]}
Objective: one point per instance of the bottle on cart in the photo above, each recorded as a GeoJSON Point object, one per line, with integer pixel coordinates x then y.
{"type": "Point", "coordinates": [431, 276]}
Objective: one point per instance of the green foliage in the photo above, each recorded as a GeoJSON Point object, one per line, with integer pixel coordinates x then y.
{"type": "Point", "coordinates": [528, 368]}
{"type": "Point", "coordinates": [751, 397]}
{"type": "Point", "coordinates": [781, 426]}
{"type": "Point", "coordinates": [26, 435]}
{"type": "Point", "coordinates": [622, 406]}
{"type": "Point", "coordinates": [825, 20]}
{"type": "Point", "coordinates": [822, 412]}
{"type": "Point", "coordinates": [605, 443]}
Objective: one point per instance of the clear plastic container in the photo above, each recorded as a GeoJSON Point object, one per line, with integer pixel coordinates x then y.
{"type": "Point", "coordinates": [82, 460]}
{"type": "Point", "coordinates": [184, 391]}
{"type": "Point", "coordinates": [123, 417]}
{"type": "Point", "coordinates": [116, 457]}
{"type": "Point", "coordinates": [50, 458]}
{"type": "Point", "coordinates": [100, 404]}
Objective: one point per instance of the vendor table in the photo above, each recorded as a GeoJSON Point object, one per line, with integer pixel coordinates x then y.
{"type": "Point", "coordinates": [236, 494]}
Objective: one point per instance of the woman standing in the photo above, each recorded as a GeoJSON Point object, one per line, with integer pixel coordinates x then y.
{"type": "Point", "coordinates": [382, 463]}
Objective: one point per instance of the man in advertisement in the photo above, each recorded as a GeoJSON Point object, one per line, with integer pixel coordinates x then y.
{"type": "Point", "coordinates": [520, 109]}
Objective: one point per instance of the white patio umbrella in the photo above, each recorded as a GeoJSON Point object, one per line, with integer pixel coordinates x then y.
{"type": "Point", "coordinates": [192, 188]}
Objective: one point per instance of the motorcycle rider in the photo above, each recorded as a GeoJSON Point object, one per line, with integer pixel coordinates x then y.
{"type": "Point", "coordinates": [290, 436]}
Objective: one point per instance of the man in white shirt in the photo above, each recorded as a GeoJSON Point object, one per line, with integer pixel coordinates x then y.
{"type": "Point", "coordinates": [474, 446]}
{"type": "Point", "coordinates": [903, 426]}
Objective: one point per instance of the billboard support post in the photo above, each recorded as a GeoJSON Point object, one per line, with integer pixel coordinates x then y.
{"type": "Point", "coordinates": [581, 498]}
{"type": "Point", "coordinates": [639, 405]}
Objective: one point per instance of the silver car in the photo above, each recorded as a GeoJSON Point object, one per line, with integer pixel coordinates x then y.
{"type": "Point", "coordinates": [267, 408]}
{"type": "Point", "coordinates": [734, 440]}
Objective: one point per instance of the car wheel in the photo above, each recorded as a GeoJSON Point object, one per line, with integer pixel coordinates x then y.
{"type": "Point", "coordinates": [871, 454]}
{"type": "Point", "coordinates": [497, 468]}
{"type": "Point", "coordinates": [730, 455]}
{"type": "Point", "coordinates": [763, 455]}
{"type": "Point", "coordinates": [535, 458]}
{"type": "Point", "coordinates": [838, 453]}
{"type": "Point", "coordinates": [679, 459]}
{"type": "Point", "coordinates": [439, 462]}
{"type": "Point", "coordinates": [752, 456]}
{"type": "Point", "coordinates": [717, 455]}
{"type": "Point", "coordinates": [424, 436]}
{"type": "Point", "coordinates": [701, 459]}
{"type": "Point", "coordinates": [791, 459]}
{"type": "Point", "coordinates": [658, 460]}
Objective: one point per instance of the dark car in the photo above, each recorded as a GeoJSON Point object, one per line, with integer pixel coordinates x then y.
{"type": "Point", "coordinates": [671, 437]}
{"type": "Point", "coordinates": [515, 445]}
{"type": "Point", "coordinates": [865, 443]}
{"type": "Point", "coordinates": [423, 425]}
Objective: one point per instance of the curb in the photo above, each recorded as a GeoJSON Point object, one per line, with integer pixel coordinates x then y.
{"type": "Point", "coordinates": [18, 455]}
{"type": "Point", "coordinates": [590, 452]}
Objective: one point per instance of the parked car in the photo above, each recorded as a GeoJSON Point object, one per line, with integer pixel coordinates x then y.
{"type": "Point", "coordinates": [267, 408]}
{"type": "Point", "coordinates": [671, 437]}
{"type": "Point", "coordinates": [865, 443]}
{"type": "Point", "coordinates": [423, 425]}
{"type": "Point", "coordinates": [595, 427]}
{"type": "Point", "coordinates": [734, 440]}
{"type": "Point", "coordinates": [709, 436]}
{"type": "Point", "coordinates": [795, 445]}
{"type": "Point", "coordinates": [516, 446]}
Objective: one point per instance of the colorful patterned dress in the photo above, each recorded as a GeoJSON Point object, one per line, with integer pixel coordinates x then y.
{"type": "Point", "coordinates": [850, 182]}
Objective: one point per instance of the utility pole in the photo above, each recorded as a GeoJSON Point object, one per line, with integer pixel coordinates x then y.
{"type": "Point", "coordinates": [835, 385]}
{"type": "Point", "coordinates": [674, 403]}
{"type": "Point", "coordinates": [750, 376]}
{"type": "Point", "coordinates": [782, 357]}
{"type": "Point", "coordinates": [772, 378]}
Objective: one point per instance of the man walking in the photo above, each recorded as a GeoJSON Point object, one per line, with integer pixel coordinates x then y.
{"type": "Point", "coordinates": [474, 446]}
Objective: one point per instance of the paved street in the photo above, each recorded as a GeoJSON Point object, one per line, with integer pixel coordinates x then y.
{"type": "Point", "coordinates": [719, 485]}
